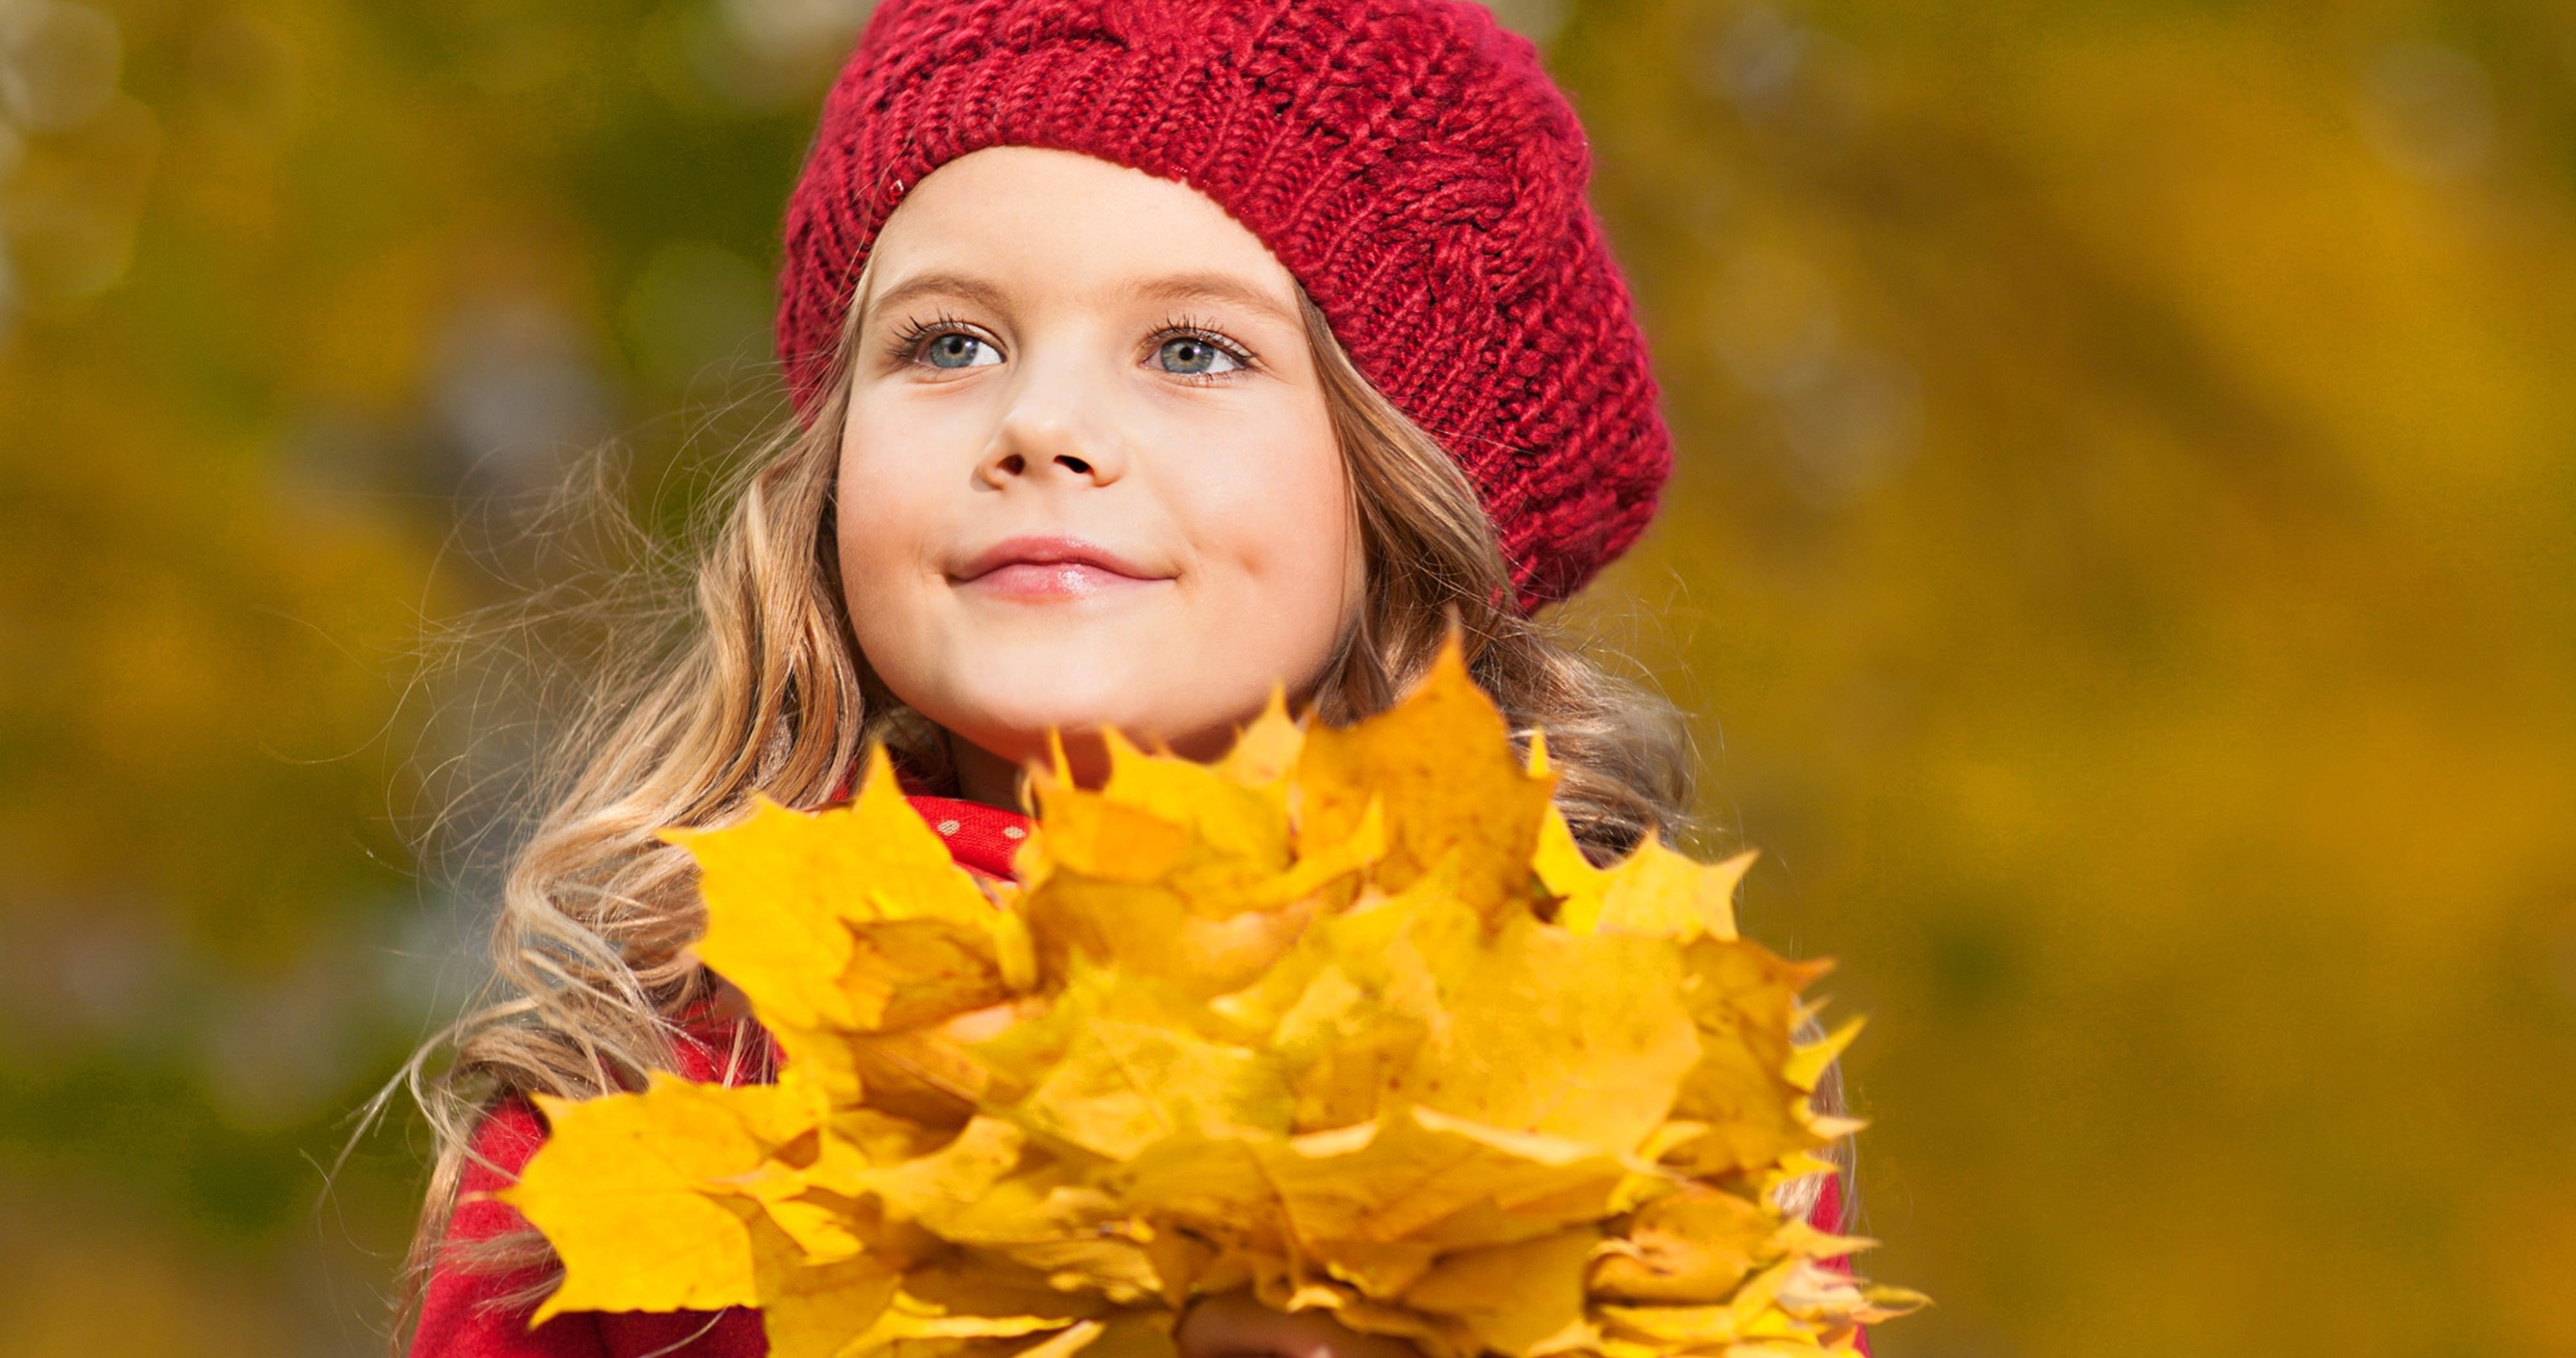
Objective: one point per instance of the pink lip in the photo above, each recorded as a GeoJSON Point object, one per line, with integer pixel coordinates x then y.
{"type": "Point", "coordinates": [1051, 568]}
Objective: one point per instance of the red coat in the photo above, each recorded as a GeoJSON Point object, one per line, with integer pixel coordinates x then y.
{"type": "Point", "coordinates": [461, 1314]}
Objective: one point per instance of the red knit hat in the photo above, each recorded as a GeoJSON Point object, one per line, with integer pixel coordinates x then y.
{"type": "Point", "coordinates": [1407, 160]}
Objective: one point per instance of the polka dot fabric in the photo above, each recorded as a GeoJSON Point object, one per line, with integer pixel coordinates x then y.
{"type": "Point", "coordinates": [1408, 160]}
{"type": "Point", "coordinates": [981, 838]}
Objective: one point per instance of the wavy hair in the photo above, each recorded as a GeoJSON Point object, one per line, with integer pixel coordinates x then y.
{"type": "Point", "coordinates": [759, 687]}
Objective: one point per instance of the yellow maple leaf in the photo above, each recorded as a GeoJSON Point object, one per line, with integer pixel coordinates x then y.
{"type": "Point", "coordinates": [1656, 892]}
{"type": "Point", "coordinates": [1224, 815]}
{"type": "Point", "coordinates": [969, 1303]}
{"type": "Point", "coordinates": [1445, 1182]}
{"type": "Point", "coordinates": [1522, 1300]}
{"type": "Point", "coordinates": [1564, 870]}
{"type": "Point", "coordinates": [1750, 1113]}
{"type": "Point", "coordinates": [850, 920]}
{"type": "Point", "coordinates": [1266, 751]}
{"type": "Point", "coordinates": [1524, 1026]}
{"type": "Point", "coordinates": [1181, 871]}
{"type": "Point", "coordinates": [640, 1196]}
{"type": "Point", "coordinates": [1348, 1020]}
{"type": "Point", "coordinates": [1442, 765]}
{"type": "Point", "coordinates": [1688, 1247]}
{"type": "Point", "coordinates": [1653, 891]}
{"type": "Point", "coordinates": [815, 1309]}
{"type": "Point", "coordinates": [1123, 1085]}
{"type": "Point", "coordinates": [1358, 1219]}
{"type": "Point", "coordinates": [1548, 1032]}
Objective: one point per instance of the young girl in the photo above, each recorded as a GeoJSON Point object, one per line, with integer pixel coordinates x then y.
{"type": "Point", "coordinates": [1145, 356]}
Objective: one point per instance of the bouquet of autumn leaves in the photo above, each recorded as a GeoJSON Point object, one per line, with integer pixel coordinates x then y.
{"type": "Point", "coordinates": [1346, 1019]}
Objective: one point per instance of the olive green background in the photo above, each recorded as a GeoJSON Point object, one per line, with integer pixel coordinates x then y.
{"type": "Point", "coordinates": [2119, 570]}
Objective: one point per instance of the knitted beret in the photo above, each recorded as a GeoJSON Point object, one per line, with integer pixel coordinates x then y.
{"type": "Point", "coordinates": [1407, 160]}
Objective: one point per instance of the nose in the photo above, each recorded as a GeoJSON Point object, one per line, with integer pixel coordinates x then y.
{"type": "Point", "coordinates": [1056, 427]}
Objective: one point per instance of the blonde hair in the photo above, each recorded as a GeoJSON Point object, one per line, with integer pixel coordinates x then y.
{"type": "Point", "coordinates": [765, 691]}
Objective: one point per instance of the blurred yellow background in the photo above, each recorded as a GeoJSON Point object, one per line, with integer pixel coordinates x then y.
{"type": "Point", "coordinates": [2122, 570]}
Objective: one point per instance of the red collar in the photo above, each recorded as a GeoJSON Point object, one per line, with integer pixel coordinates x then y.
{"type": "Point", "coordinates": [981, 838]}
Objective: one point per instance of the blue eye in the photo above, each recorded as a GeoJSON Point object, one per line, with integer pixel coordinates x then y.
{"type": "Point", "coordinates": [1194, 356]}
{"type": "Point", "coordinates": [956, 349]}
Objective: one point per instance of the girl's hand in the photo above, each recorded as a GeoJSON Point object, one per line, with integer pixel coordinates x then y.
{"type": "Point", "coordinates": [1236, 1326]}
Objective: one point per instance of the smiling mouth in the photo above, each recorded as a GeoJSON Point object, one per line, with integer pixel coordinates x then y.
{"type": "Point", "coordinates": [1052, 568]}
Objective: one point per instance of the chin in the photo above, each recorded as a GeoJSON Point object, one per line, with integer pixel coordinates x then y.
{"type": "Point", "coordinates": [1015, 697]}
{"type": "Point", "coordinates": [1187, 682]}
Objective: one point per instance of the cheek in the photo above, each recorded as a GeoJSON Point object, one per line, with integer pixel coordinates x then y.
{"type": "Point", "coordinates": [1276, 519]}
{"type": "Point", "coordinates": [887, 515]}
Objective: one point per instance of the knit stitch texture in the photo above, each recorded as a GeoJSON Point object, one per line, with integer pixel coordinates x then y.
{"type": "Point", "coordinates": [1407, 160]}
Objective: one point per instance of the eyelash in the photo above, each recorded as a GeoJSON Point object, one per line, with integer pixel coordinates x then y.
{"type": "Point", "coordinates": [915, 335]}
{"type": "Point", "coordinates": [1183, 327]}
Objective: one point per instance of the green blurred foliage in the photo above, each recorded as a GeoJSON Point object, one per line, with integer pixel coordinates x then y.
{"type": "Point", "coordinates": [2119, 568]}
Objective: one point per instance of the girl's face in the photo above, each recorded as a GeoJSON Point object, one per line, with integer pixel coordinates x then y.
{"type": "Point", "coordinates": [1089, 479]}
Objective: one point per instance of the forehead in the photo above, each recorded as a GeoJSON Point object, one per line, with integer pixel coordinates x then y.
{"type": "Point", "coordinates": [1054, 224]}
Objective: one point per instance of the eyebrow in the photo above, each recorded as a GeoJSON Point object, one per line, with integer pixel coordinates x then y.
{"type": "Point", "coordinates": [958, 285]}
{"type": "Point", "coordinates": [1217, 287]}
{"type": "Point", "coordinates": [1188, 287]}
